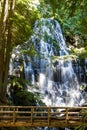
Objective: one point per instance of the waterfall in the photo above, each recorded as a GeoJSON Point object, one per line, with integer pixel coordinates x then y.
{"type": "Point", "coordinates": [56, 79]}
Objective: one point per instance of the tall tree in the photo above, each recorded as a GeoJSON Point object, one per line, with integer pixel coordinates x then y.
{"type": "Point", "coordinates": [15, 28]}
{"type": "Point", "coordinates": [7, 11]}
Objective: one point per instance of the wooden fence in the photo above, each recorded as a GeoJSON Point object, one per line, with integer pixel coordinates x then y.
{"type": "Point", "coordinates": [42, 116]}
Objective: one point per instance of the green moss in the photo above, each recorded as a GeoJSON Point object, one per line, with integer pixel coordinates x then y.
{"type": "Point", "coordinates": [24, 98]}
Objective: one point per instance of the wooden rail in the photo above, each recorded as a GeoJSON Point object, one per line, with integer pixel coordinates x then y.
{"type": "Point", "coordinates": [41, 116]}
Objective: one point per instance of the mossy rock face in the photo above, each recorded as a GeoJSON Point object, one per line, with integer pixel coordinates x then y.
{"type": "Point", "coordinates": [24, 98]}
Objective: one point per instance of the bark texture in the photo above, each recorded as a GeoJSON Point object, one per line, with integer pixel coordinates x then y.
{"type": "Point", "coordinates": [5, 44]}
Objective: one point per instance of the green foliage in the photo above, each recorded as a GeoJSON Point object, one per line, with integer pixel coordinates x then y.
{"type": "Point", "coordinates": [65, 57]}
{"type": "Point", "coordinates": [21, 96]}
{"type": "Point", "coordinates": [71, 14]}
{"type": "Point", "coordinates": [81, 52]}
{"type": "Point", "coordinates": [81, 127]}
{"type": "Point", "coordinates": [24, 98]}
{"type": "Point", "coordinates": [44, 10]}
{"type": "Point", "coordinates": [84, 119]}
{"type": "Point", "coordinates": [84, 113]}
{"type": "Point", "coordinates": [23, 21]}
{"type": "Point", "coordinates": [38, 97]}
{"type": "Point", "coordinates": [29, 51]}
{"type": "Point", "coordinates": [19, 82]}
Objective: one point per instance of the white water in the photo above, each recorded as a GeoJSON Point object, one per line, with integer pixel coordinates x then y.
{"type": "Point", "coordinates": [57, 80]}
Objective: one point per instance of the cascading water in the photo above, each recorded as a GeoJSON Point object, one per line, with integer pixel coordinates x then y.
{"type": "Point", "coordinates": [56, 79]}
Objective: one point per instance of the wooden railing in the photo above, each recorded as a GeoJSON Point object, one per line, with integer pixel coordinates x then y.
{"type": "Point", "coordinates": [41, 116]}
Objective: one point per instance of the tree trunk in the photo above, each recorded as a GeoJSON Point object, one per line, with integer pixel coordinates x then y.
{"type": "Point", "coordinates": [4, 15]}
{"type": "Point", "coordinates": [8, 47]}
{"type": "Point", "coordinates": [5, 44]}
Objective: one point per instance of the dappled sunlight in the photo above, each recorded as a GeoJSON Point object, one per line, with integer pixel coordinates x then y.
{"type": "Point", "coordinates": [34, 3]}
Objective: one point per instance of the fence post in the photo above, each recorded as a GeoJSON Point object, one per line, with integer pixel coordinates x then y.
{"type": "Point", "coordinates": [49, 115]}
{"type": "Point", "coordinates": [32, 109]}
{"type": "Point", "coordinates": [67, 118]}
{"type": "Point", "coordinates": [14, 115]}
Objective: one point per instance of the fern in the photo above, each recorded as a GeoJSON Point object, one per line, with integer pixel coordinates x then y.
{"type": "Point", "coordinates": [83, 126]}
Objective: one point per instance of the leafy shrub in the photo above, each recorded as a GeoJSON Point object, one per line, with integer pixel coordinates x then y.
{"type": "Point", "coordinates": [24, 98]}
